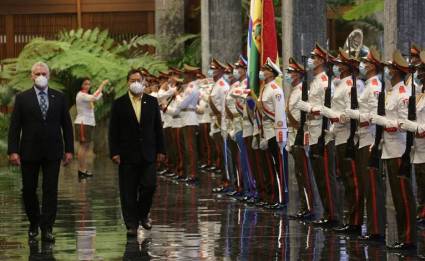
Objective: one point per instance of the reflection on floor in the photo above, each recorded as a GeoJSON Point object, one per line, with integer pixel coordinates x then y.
{"type": "Point", "coordinates": [189, 224]}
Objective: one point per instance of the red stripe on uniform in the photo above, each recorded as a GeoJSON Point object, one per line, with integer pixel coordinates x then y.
{"type": "Point", "coordinates": [180, 156]}
{"type": "Point", "coordinates": [356, 193]}
{"type": "Point", "coordinates": [191, 152]}
{"type": "Point", "coordinates": [374, 206]}
{"type": "Point", "coordinates": [308, 183]}
{"type": "Point", "coordinates": [271, 173]}
{"type": "Point", "coordinates": [328, 184]}
{"type": "Point", "coordinates": [406, 204]}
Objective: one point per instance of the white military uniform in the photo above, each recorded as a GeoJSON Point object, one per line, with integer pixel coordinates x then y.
{"type": "Point", "coordinates": [163, 96]}
{"type": "Point", "coordinates": [173, 111]}
{"type": "Point", "coordinates": [203, 108]}
{"type": "Point", "coordinates": [187, 104]}
{"type": "Point", "coordinates": [241, 96]}
{"type": "Point", "coordinates": [294, 110]}
{"type": "Point", "coordinates": [316, 98]}
{"type": "Point", "coordinates": [234, 106]}
{"type": "Point", "coordinates": [340, 102]}
{"type": "Point", "coordinates": [396, 103]}
{"type": "Point", "coordinates": [218, 95]}
{"type": "Point", "coordinates": [418, 127]}
{"type": "Point", "coordinates": [368, 104]}
{"type": "Point", "coordinates": [272, 102]}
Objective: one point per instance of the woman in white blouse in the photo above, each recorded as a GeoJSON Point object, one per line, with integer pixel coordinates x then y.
{"type": "Point", "coordinates": [85, 122]}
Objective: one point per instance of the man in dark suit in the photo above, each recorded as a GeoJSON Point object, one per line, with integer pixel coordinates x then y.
{"type": "Point", "coordinates": [135, 142]}
{"type": "Point", "coordinates": [39, 133]}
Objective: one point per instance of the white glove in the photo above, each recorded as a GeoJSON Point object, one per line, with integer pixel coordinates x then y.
{"type": "Point", "coordinates": [232, 135]}
{"type": "Point", "coordinates": [224, 134]}
{"type": "Point", "coordinates": [409, 126]}
{"type": "Point", "coordinates": [254, 143]}
{"type": "Point", "coordinates": [379, 120]}
{"type": "Point", "coordinates": [316, 109]}
{"type": "Point", "coordinates": [304, 106]}
{"type": "Point", "coordinates": [328, 112]}
{"type": "Point", "coordinates": [352, 114]}
{"type": "Point", "coordinates": [264, 144]}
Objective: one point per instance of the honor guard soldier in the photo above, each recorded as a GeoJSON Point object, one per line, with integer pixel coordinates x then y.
{"type": "Point", "coordinates": [393, 148]}
{"type": "Point", "coordinates": [344, 68]}
{"type": "Point", "coordinates": [373, 184]}
{"type": "Point", "coordinates": [216, 102]}
{"type": "Point", "coordinates": [273, 133]}
{"type": "Point", "coordinates": [322, 163]}
{"type": "Point", "coordinates": [294, 77]}
{"type": "Point", "coordinates": [418, 127]}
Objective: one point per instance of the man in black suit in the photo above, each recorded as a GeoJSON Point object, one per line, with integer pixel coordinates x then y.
{"type": "Point", "coordinates": [40, 131]}
{"type": "Point", "coordinates": [135, 142]}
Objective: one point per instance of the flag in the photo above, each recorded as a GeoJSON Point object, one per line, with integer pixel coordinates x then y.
{"type": "Point", "coordinates": [262, 40]}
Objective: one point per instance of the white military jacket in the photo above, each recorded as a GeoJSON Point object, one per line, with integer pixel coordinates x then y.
{"type": "Point", "coordinates": [189, 102]}
{"type": "Point", "coordinates": [316, 98]}
{"type": "Point", "coordinates": [203, 108]}
{"type": "Point", "coordinates": [163, 97]}
{"type": "Point", "coordinates": [341, 101]}
{"type": "Point", "coordinates": [218, 95]}
{"type": "Point", "coordinates": [295, 112]}
{"type": "Point", "coordinates": [272, 102]}
{"type": "Point", "coordinates": [418, 128]}
{"type": "Point", "coordinates": [396, 103]}
{"type": "Point", "coordinates": [368, 104]}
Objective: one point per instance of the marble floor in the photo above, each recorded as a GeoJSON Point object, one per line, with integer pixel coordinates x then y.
{"type": "Point", "coordinates": [190, 223]}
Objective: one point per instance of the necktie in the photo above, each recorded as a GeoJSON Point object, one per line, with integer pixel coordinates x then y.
{"type": "Point", "coordinates": [43, 104]}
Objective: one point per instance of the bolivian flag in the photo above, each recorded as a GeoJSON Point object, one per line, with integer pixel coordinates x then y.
{"type": "Point", "coordinates": [262, 40]}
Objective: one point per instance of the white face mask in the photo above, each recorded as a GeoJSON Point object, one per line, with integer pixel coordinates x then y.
{"type": "Point", "coordinates": [41, 82]}
{"type": "Point", "coordinates": [310, 63]}
{"type": "Point", "coordinates": [137, 88]}
{"type": "Point", "coordinates": [236, 74]}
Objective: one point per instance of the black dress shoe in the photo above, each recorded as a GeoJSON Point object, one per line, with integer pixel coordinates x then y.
{"type": "Point", "coordinates": [192, 181]}
{"type": "Point", "coordinates": [33, 232]}
{"type": "Point", "coordinates": [325, 223]}
{"type": "Point", "coordinates": [260, 203]}
{"type": "Point", "coordinates": [47, 236]}
{"type": "Point", "coordinates": [252, 201]}
{"type": "Point", "coordinates": [132, 232]}
{"type": "Point", "coordinates": [401, 247]}
{"type": "Point", "coordinates": [212, 168]}
{"type": "Point", "coordinates": [420, 222]}
{"type": "Point", "coordinates": [372, 238]}
{"type": "Point", "coordinates": [217, 189]}
{"type": "Point", "coordinates": [349, 229]}
{"type": "Point", "coordinates": [84, 174]}
{"type": "Point", "coordinates": [146, 224]}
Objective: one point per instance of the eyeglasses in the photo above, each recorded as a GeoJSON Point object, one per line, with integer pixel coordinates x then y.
{"type": "Point", "coordinates": [39, 74]}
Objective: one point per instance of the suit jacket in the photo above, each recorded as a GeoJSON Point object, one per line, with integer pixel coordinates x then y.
{"type": "Point", "coordinates": [35, 139]}
{"type": "Point", "coordinates": [136, 142]}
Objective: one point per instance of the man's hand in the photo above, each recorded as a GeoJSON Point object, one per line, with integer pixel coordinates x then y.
{"type": "Point", "coordinates": [67, 158]}
{"type": "Point", "coordinates": [116, 159]}
{"type": "Point", "coordinates": [160, 157]}
{"type": "Point", "coordinates": [15, 159]}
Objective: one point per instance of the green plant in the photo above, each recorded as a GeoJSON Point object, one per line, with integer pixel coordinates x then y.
{"type": "Point", "coordinates": [80, 53]}
{"type": "Point", "coordinates": [4, 128]}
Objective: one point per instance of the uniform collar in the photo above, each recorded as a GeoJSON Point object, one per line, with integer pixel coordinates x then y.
{"type": "Point", "coordinates": [371, 79]}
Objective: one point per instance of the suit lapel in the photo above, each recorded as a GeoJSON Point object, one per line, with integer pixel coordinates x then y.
{"type": "Point", "coordinates": [144, 109]}
{"type": "Point", "coordinates": [130, 108]}
{"type": "Point", "coordinates": [35, 104]}
{"type": "Point", "coordinates": [52, 103]}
